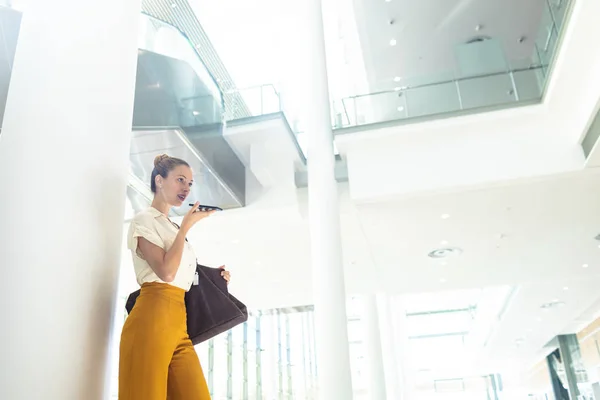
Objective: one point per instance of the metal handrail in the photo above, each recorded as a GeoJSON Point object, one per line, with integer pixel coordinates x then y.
{"type": "Point", "coordinates": [456, 80]}
{"type": "Point", "coordinates": [234, 90]}
{"type": "Point", "coordinates": [261, 87]}
{"type": "Point", "coordinates": [187, 39]}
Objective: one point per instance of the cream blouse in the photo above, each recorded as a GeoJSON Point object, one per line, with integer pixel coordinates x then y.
{"type": "Point", "coordinates": [156, 228]}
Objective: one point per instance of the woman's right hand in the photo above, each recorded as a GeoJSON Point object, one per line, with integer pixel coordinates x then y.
{"type": "Point", "coordinates": [193, 216]}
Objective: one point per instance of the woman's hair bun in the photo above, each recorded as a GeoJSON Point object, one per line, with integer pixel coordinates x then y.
{"type": "Point", "coordinates": [158, 159]}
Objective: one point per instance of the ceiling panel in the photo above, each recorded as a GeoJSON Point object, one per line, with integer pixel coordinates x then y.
{"type": "Point", "coordinates": [430, 35]}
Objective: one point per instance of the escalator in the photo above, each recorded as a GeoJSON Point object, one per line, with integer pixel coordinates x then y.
{"type": "Point", "coordinates": [179, 110]}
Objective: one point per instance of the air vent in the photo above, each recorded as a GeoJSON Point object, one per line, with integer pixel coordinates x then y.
{"type": "Point", "coordinates": [478, 39]}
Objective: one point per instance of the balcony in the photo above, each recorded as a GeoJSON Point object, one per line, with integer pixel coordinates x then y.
{"type": "Point", "coordinates": [482, 74]}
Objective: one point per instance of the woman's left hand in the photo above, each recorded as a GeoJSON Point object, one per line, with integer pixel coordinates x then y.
{"type": "Point", "coordinates": [225, 274]}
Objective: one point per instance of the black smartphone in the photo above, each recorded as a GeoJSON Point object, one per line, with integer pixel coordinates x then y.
{"type": "Point", "coordinates": [207, 208]}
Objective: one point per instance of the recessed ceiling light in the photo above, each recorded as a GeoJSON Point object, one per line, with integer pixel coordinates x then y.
{"type": "Point", "coordinates": [173, 5]}
{"type": "Point", "coordinates": [585, 265]}
{"type": "Point", "coordinates": [444, 243]}
{"type": "Point", "coordinates": [478, 27]}
{"type": "Point", "coordinates": [393, 42]}
{"type": "Point", "coordinates": [400, 108]}
{"type": "Point", "coordinates": [566, 288]}
{"type": "Point", "coordinates": [443, 263]}
{"type": "Point", "coordinates": [196, 112]}
{"type": "Point", "coordinates": [397, 79]}
{"type": "Point", "coordinates": [445, 216]}
{"type": "Point", "coordinates": [552, 305]}
{"type": "Point", "coordinates": [445, 252]}
{"type": "Point", "coordinates": [235, 241]}
{"type": "Point", "coordinates": [443, 280]}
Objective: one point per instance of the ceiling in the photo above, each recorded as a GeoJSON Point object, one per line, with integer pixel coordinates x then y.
{"type": "Point", "coordinates": [428, 32]}
{"type": "Point", "coordinates": [528, 232]}
{"type": "Point", "coordinates": [532, 239]}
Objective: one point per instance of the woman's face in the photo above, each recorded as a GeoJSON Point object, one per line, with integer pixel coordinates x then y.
{"type": "Point", "coordinates": [175, 188]}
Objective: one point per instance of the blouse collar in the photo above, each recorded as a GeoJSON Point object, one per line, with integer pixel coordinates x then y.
{"type": "Point", "coordinates": [155, 213]}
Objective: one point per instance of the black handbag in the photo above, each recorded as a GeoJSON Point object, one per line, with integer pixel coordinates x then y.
{"type": "Point", "coordinates": [210, 308]}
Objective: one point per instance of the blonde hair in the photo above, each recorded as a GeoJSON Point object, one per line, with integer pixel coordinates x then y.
{"type": "Point", "coordinates": [163, 164]}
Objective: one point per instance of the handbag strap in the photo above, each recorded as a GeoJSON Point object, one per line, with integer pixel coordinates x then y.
{"type": "Point", "coordinates": [177, 226]}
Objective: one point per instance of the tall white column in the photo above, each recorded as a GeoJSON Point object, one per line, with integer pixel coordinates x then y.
{"type": "Point", "coordinates": [63, 173]}
{"type": "Point", "coordinates": [374, 351]}
{"type": "Point", "coordinates": [389, 342]}
{"type": "Point", "coordinates": [405, 374]}
{"type": "Point", "coordinates": [331, 324]}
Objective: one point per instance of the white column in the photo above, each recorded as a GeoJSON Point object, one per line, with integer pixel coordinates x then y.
{"type": "Point", "coordinates": [331, 325]}
{"type": "Point", "coordinates": [405, 378]}
{"type": "Point", "coordinates": [596, 389]}
{"type": "Point", "coordinates": [374, 351]}
{"type": "Point", "coordinates": [389, 342]}
{"type": "Point", "coordinates": [63, 173]}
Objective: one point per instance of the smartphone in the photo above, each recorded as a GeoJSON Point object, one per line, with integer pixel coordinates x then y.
{"type": "Point", "coordinates": [207, 208]}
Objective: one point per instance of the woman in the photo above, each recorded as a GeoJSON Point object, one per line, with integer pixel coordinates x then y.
{"type": "Point", "coordinates": [157, 359]}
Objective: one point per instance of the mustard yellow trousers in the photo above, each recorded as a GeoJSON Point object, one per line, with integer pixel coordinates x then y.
{"type": "Point", "coordinates": [157, 359]}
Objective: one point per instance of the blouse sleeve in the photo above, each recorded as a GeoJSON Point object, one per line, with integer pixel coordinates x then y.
{"type": "Point", "coordinates": [143, 226]}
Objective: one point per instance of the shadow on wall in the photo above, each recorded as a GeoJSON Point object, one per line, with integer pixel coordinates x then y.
{"type": "Point", "coordinates": [10, 25]}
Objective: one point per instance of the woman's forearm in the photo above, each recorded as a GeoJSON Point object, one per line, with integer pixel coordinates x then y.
{"type": "Point", "coordinates": [172, 258]}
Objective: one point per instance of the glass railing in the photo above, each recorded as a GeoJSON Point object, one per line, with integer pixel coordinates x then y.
{"type": "Point", "coordinates": [501, 88]}
{"type": "Point", "coordinates": [162, 38]}
{"type": "Point", "coordinates": [263, 100]}
{"type": "Point", "coordinates": [553, 20]}
{"type": "Point", "coordinates": [178, 84]}
{"type": "Point", "coordinates": [498, 82]}
{"type": "Point", "coordinates": [260, 100]}
{"type": "Point", "coordinates": [266, 99]}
